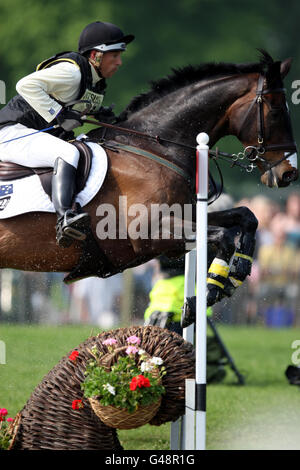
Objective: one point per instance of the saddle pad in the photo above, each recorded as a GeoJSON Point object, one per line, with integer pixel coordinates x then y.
{"type": "Point", "coordinates": [27, 194]}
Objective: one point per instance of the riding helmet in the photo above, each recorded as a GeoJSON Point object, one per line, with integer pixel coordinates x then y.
{"type": "Point", "coordinates": [103, 37]}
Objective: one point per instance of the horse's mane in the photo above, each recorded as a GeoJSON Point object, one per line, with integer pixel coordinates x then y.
{"type": "Point", "coordinates": [184, 76]}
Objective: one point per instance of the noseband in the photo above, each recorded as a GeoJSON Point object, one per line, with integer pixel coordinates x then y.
{"type": "Point", "coordinates": [254, 153]}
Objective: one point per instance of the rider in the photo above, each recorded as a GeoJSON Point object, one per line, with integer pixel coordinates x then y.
{"type": "Point", "coordinates": [42, 102]}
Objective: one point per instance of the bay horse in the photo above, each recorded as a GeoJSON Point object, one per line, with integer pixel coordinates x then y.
{"type": "Point", "coordinates": [151, 160]}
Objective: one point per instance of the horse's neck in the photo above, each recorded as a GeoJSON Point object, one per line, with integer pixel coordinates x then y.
{"type": "Point", "coordinates": [199, 107]}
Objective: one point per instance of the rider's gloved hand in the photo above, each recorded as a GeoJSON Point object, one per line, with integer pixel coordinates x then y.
{"type": "Point", "coordinates": [68, 119]}
{"type": "Point", "coordinates": [105, 114]}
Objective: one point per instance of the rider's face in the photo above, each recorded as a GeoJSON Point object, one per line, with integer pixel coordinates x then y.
{"type": "Point", "coordinates": [110, 63]}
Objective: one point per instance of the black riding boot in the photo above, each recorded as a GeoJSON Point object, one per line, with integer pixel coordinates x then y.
{"type": "Point", "coordinates": [70, 225]}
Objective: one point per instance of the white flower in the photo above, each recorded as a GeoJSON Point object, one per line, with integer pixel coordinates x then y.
{"type": "Point", "coordinates": [141, 351]}
{"type": "Point", "coordinates": [156, 361]}
{"type": "Point", "coordinates": [146, 367]}
{"type": "Point", "coordinates": [109, 388]}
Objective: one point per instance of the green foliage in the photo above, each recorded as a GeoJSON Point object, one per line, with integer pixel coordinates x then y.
{"type": "Point", "coordinates": [5, 430]}
{"type": "Point", "coordinates": [127, 384]}
{"type": "Point", "coordinates": [5, 437]}
{"type": "Point", "coordinates": [169, 34]}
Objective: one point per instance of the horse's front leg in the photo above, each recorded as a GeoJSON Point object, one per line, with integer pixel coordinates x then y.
{"type": "Point", "coordinates": [243, 256]}
{"type": "Point", "coordinates": [241, 264]}
{"type": "Point", "coordinates": [222, 248]}
{"type": "Point", "coordinates": [174, 237]}
{"type": "Point", "coordinates": [219, 268]}
{"type": "Point", "coordinates": [170, 235]}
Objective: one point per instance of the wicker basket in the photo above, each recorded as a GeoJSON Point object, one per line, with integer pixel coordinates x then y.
{"type": "Point", "coordinates": [120, 418]}
{"type": "Point", "coordinates": [14, 427]}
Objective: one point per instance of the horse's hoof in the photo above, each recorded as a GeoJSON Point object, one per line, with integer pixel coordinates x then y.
{"type": "Point", "coordinates": [213, 294]}
{"type": "Point", "coordinates": [188, 315]}
{"type": "Point", "coordinates": [229, 288]}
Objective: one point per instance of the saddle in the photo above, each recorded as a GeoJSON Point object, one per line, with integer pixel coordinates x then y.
{"type": "Point", "coordinates": [93, 261]}
{"type": "Point", "coordinates": [12, 171]}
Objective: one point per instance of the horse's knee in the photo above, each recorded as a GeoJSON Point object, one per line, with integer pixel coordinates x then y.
{"type": "Point", "coordinates": [227, 244]}
{"type": "Point", "coordinates": [250, 222]}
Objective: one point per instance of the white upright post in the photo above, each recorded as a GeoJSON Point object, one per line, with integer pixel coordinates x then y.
{"type": "Point", "coordinates": [201, 275]}
{"type": "Point", "coordinates": [192, 428]}
{"type": "Point", "coordinates": [189, 288]}
{"type": "Point", "coordinates": [181, 429]}
{"type": "Point", "coordinates": [188, 420]}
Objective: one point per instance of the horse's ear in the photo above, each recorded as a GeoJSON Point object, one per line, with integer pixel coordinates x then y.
{"type": "Point", "coordinates": [285, 67]}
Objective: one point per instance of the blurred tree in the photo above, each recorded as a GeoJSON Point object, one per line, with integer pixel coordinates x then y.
{"type": "Point", "coordinates": [169, 34]}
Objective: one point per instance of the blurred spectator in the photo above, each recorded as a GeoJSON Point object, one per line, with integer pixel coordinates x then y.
{"type": "Point", "coordinates": [293, 219]}
{"type": "Point", "coordinates": [143, 283]}
{"type": "Point", "coordinates": [94, 300]}
{"type": "Point", "coordinates": [279, 314]}
{"type": "Point", "coordinates": [264, 209]}
{"type": "Point", "coordinates": [279, 266]}
{"type": "Point", "coordinates": [278, 261]}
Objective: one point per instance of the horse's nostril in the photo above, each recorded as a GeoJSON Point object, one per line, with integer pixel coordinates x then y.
{"type": "Point", "coordinates": [290, 176]}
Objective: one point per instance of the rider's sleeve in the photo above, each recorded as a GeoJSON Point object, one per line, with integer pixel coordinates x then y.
{"type": "Point", "coordinates": [44, 88]}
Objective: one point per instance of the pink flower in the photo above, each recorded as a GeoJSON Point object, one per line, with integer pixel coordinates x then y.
{"type": "Point", "coordinates": [3, 411]}
{"type": "Point", "coordinates": [133, 340]}
{"type": "Point", "coordinates": [10, 420]}
{"type": "Point", "coordinates": [110, 341]}
{"type": "Point", "coordinates": [131, 350]}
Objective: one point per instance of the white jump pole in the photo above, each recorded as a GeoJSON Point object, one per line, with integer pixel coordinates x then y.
{"type": "Point", "coordinates": [191, 430]}
{"type": "Point", "coordinates": [182, 430]}
{"type": "Point", "coordinates": [201, 275]}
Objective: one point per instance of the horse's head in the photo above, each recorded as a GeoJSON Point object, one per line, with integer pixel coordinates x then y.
{"type": "Point", "coordinates": [261, 121]}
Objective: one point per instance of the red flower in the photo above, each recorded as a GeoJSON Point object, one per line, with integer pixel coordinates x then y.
{"type": "Point", "coordinates": [73, 356]}
{"type": "Point", "coordinates": [133, 384]}
{"type": "Point", "coordinates": [143, 381]}
{"type": "Point", "coordinates": [77, 404]}
{"type": "Point", "coordinates": [139, 381]}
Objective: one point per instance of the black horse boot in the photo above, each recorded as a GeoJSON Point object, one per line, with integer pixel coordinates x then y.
{"type": "Point", "coordinates": [70, 225]}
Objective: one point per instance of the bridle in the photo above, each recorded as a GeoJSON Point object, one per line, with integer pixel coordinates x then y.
{"type": "Point", "coordinates": [252, 152]}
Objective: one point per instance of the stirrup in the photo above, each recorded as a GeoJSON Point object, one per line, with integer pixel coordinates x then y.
{"type": "Point", "coordinates": [61, 239]}
{"type": "Point", "coordinates": [71, 227]}
{"type": "Point", "coordinates": [74, 225]}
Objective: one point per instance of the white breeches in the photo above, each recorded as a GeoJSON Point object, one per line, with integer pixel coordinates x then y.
{"type": "Point", "coordinates": [38, 150]}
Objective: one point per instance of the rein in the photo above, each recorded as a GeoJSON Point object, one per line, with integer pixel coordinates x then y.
{"type": "Point", "coordinates": [252, 153]}
{"type": "Point", "coordinates": [155, 138]}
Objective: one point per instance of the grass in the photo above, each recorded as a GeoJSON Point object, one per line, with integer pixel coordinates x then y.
{"type": "Point", "coordinates": [263, 414]}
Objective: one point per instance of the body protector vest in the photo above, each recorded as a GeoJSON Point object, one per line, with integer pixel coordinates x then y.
{"type": "Point", "coordinates": [167, 295]}
{"type": "Point", "coordinates": [18, 110]}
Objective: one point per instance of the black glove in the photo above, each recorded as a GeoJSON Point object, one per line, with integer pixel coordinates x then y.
{"type": "Point", "coordinates": [68, 119]}
{"type": "Point", "coordinates": [105, 114]}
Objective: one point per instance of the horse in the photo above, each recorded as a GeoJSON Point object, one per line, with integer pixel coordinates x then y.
{"type": "Point", "coordinates": [151, 161]}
